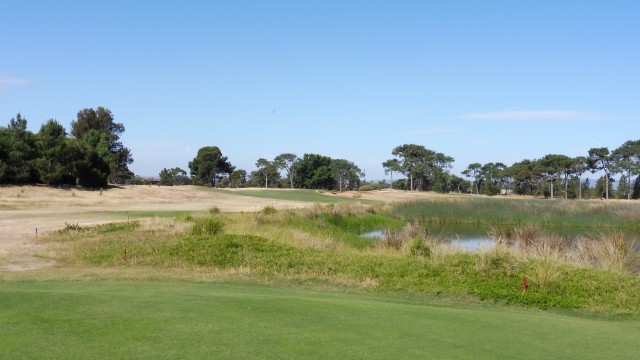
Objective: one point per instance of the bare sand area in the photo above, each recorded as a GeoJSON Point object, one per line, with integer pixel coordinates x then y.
{"type": "Point", "coordinates": [29, 211]}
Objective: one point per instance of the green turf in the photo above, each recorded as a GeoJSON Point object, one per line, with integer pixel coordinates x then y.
{"type": "Point", "coordinates": [294, 195]}
{"type": "Point", "coordinates": [155, 320]}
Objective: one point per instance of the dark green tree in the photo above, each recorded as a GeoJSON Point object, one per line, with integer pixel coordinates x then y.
{"type": "Point", "coordinates": [314, 171]}
{"type": "Point", "coordinates": [101, 120]}
{"type": "Point", "coordinates": [22, 153]}
{"type": "Point", "coordinates": [524, 177]}
{"type": "Point", "coordinates": [174, 176]}
{"type": "Point", "coordinates": [346, 173]}
{"type": "Point", "coordinates": [636, 188]}
{"type": "Point", "coordinates": [267, 170]}
{"type": "Point", "coordinates": [390, 166]}
{"type": "Point", "coordinates": [473, 172]}
{"type": "Point", "coordinates": [286, 162]}
{"type": "Point", "coordinates": [627, 160]}
{"type": "Point", "coordinates": [209, 165]}
{"type": "Point", "coordinates": [600, 159]}
{"type": "Point", "coordinates": [603, 187]}
{"type": "Point", "coordinates": [5, 146]}
{"type": "Point", "coordinates": [55, 154]}
{"type": "Point", "coordinates": [553, 166]}
{"type": "Point", "coordinates": [238, 178]}
{"type": "Point", "coordinates": [492, 177]}
{"type": "Point", "coordinates": [419, 164]}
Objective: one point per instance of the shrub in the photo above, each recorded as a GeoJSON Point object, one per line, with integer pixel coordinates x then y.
{"type": "Point", "coordinates": [214, 210]}
{"type": "Point", "coordinates": [71, 228]}
{"type": "Point", "coordinates": [207, 226]}
{"type": "Point", "coordinates": [371, 187]}
{"type": "Point", "coordinates": [419, 248]}
{"type": "Point", "coordinates": [609, 252]}
{"type": "Point", "coordinates": [497, 260]}
{"type": "Point", "coordinates": [544, 273]}
{"type": "Point", "coordinates": [269, 210]}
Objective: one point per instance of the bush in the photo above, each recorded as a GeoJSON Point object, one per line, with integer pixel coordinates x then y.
{"type": "Point", "coordinates": [269, 210]}
{"type": "Point", "coordinates": [207, 226]}
{"type": "Point", "coordinates": [371, 187]}
{"type": "Point", "coordinates": [419, 248]}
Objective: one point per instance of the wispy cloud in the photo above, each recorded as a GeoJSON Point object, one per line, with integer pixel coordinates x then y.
{"type": "Point", "coordinates": [528, 115]}
{"type": "Point", "coordinates": [8, 82]}
{"type": "Point", "coordinates": [433, 131]}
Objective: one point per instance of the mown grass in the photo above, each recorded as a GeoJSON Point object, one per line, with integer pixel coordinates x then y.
{"type": "Point", "coordinates": [169, 320]}
{"type": "Point", "coordinates": [293, 195]}
{"type": "Point", "coordinates": [544, 213]}
{"type": "Point", "coordinates": [290, 246]}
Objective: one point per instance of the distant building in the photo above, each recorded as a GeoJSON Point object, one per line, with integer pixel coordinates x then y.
{"type": "Point", "coordinates": [152, 180]}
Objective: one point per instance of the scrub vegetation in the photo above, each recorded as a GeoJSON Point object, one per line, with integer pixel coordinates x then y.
{"type": "Point", "coordinates": [323, 246]}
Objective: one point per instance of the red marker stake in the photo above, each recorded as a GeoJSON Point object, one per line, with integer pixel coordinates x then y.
{"type": "Point", "coordinates": [524, 284]}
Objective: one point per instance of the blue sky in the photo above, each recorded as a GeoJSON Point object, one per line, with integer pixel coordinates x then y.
{"type": "Point", "coordinates": [481, 81]}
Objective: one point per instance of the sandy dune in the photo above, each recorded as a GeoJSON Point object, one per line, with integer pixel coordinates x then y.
{"type": "Point", "coordinates": [29, 211]}
{"type": "Point", "coordinates": [32, 210]}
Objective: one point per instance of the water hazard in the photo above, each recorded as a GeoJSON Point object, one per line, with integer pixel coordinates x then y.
{"type": "Point", "coordinates": [477, 238]}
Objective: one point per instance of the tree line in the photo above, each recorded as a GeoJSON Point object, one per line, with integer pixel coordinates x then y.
{"type": "Point", "coordinates": [557, 175]}
{"type": "Point", "coordinates": [311, 171]}
{"type": "Point", "coordinates": [91, 156]}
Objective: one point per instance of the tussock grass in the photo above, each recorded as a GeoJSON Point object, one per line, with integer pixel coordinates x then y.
{"type": "Point", "coordinates": [207, 226]}
{"type": "Point", "coordinates": [517, 212]}
{"type": "Point", "coordinates": [290, 246]}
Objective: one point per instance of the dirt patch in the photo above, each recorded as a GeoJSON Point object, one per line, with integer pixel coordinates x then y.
{"type": "Point", "coordinates": [392, 195]}
{"type": "Point", "coordinates": [30, 211]}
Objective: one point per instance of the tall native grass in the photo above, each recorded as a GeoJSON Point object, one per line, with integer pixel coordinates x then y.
{"type": "Point", "coordinates": [517, 212]}
{"type": "Point", "coordinates": [317, 247]}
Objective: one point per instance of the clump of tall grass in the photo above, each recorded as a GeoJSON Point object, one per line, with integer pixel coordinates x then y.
{"type": "Point", "coordinates": [391, 240]}
{"type": "Point", "coordinates": [545, 273]}
{"type": "Point", "coordinates": [547, 247]}
{"type": "Point", "coordinates": [71, 228]}
{"type": "Point", "coordinates": [526, 234]}
{"type": "Point", "coordinates": [269, 210]}
{"type": "Point", "coordinates": [343, 209]}
{"type": "Point", "coordinates": [497, 260]}
{"type": "Point", "coordinates": [501, 232]}
{"type": "Point", "coordinates": [609, 252]}
{"type": "Point", "coordinates": [207, 226]}
{"type": "Point", "coordinates": [418, 247]}
{"type": "Point", "coordinates": [412, 239]}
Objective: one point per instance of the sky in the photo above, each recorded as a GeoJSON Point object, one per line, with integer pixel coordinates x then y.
{"type": "Point", "coordinates": [480, 81]}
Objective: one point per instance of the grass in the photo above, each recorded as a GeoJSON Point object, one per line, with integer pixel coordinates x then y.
{"type": "Point", "coordinates": [293, 195]}
{"type": "Point", "coordinates": [277, 248]}
{"type": "Point", "coordinates": [331, 293]}
{"type": "Point", "coordinates": [542, 213]}
{"type": "Point", "coordinates": [167, 320]}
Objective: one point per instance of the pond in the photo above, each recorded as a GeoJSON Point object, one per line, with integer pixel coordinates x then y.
{"type": "Point", "coordinates": [477, 238]}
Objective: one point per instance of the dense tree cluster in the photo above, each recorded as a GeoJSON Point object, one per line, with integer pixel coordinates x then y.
{"type": "Point", "coordinates": [556, 175]}
{"type": "Point", "coordinates": [424, 169]}
{"type": "Point", "coordinates": [311, 171]}
{"type": "Point", "coordinates": [93, 156]}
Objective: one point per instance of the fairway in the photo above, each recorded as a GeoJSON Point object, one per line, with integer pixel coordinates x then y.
{"type": "Point", "coordinates": [170, 320]}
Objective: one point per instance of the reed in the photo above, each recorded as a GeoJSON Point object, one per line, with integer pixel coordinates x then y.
{"type": "Point", "coordinates": [545, 213]}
